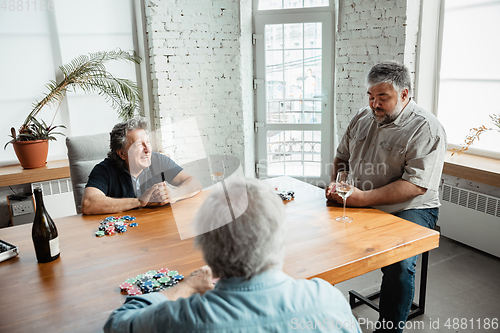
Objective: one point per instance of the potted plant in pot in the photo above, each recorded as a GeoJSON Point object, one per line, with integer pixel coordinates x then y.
{"type": "Point", "coordinates": [88, 73]}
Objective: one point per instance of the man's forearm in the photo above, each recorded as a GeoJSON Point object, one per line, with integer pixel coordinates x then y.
{"type": "Point", "coordinates": [393, 193]}
{"type": "Point", "coordinates": [106, 205]}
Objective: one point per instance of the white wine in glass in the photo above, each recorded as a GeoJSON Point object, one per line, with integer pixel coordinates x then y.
{"type": "Point", "coordinates": [344, 187]}
{"type": "Point", "coordinates": [218, 171]}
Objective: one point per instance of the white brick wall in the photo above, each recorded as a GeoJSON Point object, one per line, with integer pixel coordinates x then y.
{"type": "Point", "coordinates": [369, 32]}
{"type": "Point", "coordinates": [201, 56]}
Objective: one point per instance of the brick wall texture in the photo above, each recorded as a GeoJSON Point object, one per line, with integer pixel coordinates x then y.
{"type": "Point", "coordinates": [196, 52]}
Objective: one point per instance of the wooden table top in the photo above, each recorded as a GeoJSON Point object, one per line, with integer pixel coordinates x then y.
{"type": "Point", "coordinates": [78, 291]}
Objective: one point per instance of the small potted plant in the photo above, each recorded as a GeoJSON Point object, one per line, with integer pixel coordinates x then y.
{"type": "Point", "coordinates": [88, 73]}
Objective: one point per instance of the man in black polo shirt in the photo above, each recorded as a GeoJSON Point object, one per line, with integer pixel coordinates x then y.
{"type": "Point", "coordinates": [133, 176]}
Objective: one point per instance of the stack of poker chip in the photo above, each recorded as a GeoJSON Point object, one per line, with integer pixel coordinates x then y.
{"type": "Point", "coordinates": [151, 281]}
{"type": "Point", "coordinates": [112, 224]}
{"type": "Point", "coordinates": [285, 195]}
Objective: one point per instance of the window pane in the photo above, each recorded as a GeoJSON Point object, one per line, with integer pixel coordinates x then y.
{"type": "Point", "coordinates": [293, 36]}
{"type": "Point", "coordinates": [285, 4]}
{"type": "Point", "coordinates": [312, 35]}
{"type": "Point", "coordinates": [470, 71]}
{"type": "Point", "coordinates": [459, 115]}
{"type": "Point", "coordinates": [294, 153]}
{"type": "Point", "coordinates": [315, 3]}
{"type": "Point", "coordinates": [293, 73]}
{"type": "Point", "coordinates": [274, 36]}
{"type": "Point", "coordinates": [270, 4]}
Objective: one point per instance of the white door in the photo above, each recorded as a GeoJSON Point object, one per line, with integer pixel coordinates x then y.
{"type": "Point", "coordinates": [294, 87]}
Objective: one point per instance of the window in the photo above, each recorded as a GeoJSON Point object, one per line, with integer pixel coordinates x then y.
{"type": "Point", "coordinates": [294, 80]}
{"type": "Point", "coordinates": [35, 42]}
{"type": "Point", "coordinates": [470, 72]}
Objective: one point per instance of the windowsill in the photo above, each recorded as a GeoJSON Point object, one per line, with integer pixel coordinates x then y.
{"type": "Point", "coordinates": [471, 167]}
{"type": "Point", "coordinates": [15, 174]}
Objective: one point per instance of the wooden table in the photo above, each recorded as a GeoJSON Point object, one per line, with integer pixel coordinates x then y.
{"type": "Point", "coordinates": [78, 291]}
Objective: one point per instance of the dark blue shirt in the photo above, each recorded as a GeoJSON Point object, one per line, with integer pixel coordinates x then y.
{"type": "Point", "coordinates": [117, 182]}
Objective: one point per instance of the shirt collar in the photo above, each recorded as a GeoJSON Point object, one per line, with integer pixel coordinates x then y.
{"type": "Point", "coordinates": [263, 280]}
{"type": "Point", "coordinates": [405, 113]}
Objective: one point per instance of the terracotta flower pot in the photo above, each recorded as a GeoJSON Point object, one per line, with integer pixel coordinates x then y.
{"type": "Point", "coordinates": [32, 154]}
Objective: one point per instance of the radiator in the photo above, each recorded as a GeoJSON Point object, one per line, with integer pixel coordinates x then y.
{"type": "Point", "coordinates": [471, 218]}
{"type": "Point", "coordinates": [57, 197]}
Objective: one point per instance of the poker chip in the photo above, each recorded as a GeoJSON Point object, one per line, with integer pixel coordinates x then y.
{"type": "Point", "coordinates": [285, 195]}
{"type": "Point", "coordinates": [134, 291]}
{"type": "Point", "coordinates": [172, 273]}
{"type": "Point", "coordinates": [112, 224]}
{"type": "Point", "coordinates": [151, 281]}
{"type": "Point", "coordinates": [133, 225]}
{"type": "Point", "coordinates": [178, 277]}
{"type": "Point", "coordinates": [121, 229]}
{"type": "Point", "coordinates": [126, 286]}
{"type": "Point", "coordinates": [100, 233]}
{"type": "Point", "coordinates": [164, 279]}
{"type": "Point", "coordinates": [147, 286]}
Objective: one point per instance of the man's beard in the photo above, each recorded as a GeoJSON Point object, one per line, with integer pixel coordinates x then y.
{"type": "Point", "coordinates": [388, 118]}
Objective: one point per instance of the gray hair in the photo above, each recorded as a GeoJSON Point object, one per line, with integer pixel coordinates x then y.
{"type": "Point", "coordinates": [118, 137]}
{"type": "Point", "coordinates": [392, 72]}
{"type": "Point", "coordinates": [253, 242]}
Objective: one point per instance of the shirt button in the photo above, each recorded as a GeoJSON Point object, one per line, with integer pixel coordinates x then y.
{"type": "Point", "coordinates": [390, 148]}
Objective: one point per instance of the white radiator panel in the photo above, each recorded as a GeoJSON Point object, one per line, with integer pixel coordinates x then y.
{"type": "Point", "coordinates": [57, 197]}
{"type": "Point", "coordinates": [471, 218]}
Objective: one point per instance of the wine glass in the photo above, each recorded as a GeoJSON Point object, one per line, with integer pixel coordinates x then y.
{"type": "Point", "coordinates": [217, 170]}
{"type": "Point", "coordinates": [344, 187]}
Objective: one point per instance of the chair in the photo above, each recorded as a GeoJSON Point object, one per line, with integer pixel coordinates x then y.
{"type": "Point", "coordinates": [84, 152]}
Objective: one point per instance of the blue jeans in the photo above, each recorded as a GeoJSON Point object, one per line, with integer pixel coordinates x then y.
{"type": "Point", "coordinates": [398, 281]}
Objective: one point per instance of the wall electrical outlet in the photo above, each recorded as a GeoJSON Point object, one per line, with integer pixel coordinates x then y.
{"type": "Point", "coordinates": [22, 208]}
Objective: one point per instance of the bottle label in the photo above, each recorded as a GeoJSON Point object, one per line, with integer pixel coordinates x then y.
{"type": "Point", "coordinates": [54, 246]}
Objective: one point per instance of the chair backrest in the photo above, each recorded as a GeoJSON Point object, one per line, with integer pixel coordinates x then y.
{"type": "Point", "coordinates": [84, 152]}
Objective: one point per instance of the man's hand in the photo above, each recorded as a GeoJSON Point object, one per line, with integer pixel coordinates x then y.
{"type": "Point", "coordinates": [200, 281]}
{"type": "Point", "coordinates": [356, 199]}
{"type": "Point", "coordinates": [155, 195]}
{"type": "Point", "coordinates": [393, 193]}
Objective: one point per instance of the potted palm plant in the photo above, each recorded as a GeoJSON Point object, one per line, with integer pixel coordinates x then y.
{"type": "Point", "coordinates": [88, 73]}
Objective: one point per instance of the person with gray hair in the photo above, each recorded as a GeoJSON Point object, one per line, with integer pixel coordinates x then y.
{"type": "Point", "coordinates": [252, 294]}
{"type": "Point", "coordinates": [133, 175]}
{"type": "Point", "coordinates": [395, 151]}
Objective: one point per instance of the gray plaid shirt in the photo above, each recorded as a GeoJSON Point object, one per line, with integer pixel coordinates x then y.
{"type": "Point", "coordinates": [412, 147]}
